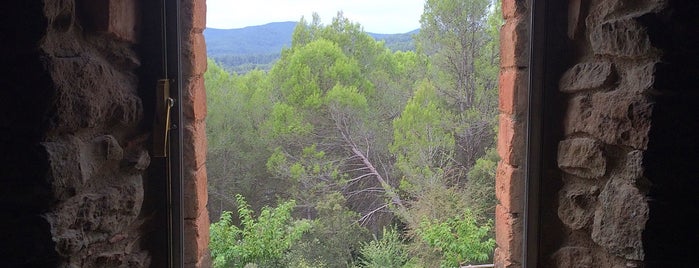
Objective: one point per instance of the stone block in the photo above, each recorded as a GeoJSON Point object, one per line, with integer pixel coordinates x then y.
{"type": "Point", "coordinates": [195, 145]}
{"type": "Point", "coordinates": [639, 77]}
{"type": "Point", "coordinates": [66, 176]}
{"type": "Point", "coordinates": [576, 205]}
{"type": "Point", "coordinates": [195, 99]}
{"type": "Point", "coordinates": [514, 43]}
{"type": "Point", "coordinates": [194, 55]}
{"type": "Point", "coordinates": [573, 257]}
{"type": "Point", "coordinates": [623, 38]}
{"type": "Point", "coordinates": [510, 145]}
{"type": "Point", "coordinates": [616, 117]}
{"type": "Point", "coordinates": [118, 18]}
{"type": "Point", "coordinates": [508, 234]}
{"type": "Point", "coordinates": [513, 8]}
{"type": "Point", "coordinates": [620, 219]}
{"type": "Point", "coordinates": [583, 157]}
{"type": "Point", "coordinates": [509, 187]}
{"type": "Point", "coordinates": [513, 91]}
{"type": "Point", "coordinates": [588, 75]}
{"type": "Point", "coordinates": [613, 10]}
{"type": "Point", "coordinates": [195, 195]}
{"type": "Point", "coordinates": [196, 240]}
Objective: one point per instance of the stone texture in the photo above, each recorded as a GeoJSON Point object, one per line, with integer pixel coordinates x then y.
{"type": "Point", "coordinates": [587, 75]}
{"type": "Point", "coordinates": [509, 185]}
{"type": "Point", "coordinates": [514, 48]}
{"type": "Point", "coordinates": [195, 198]}
{"type": "Point", "coordinates": [615, 117]}
{"type": "Point", "coordinates": [620, 219]}
{"type": "Point", "coordinates": [94, 142]}
{"type": "Point", "coordinates": [576, 205]}
{"type": "Point", "coordinates": [624, 38]}
{"type": "Point", "coordinates": [118, 18]}
{"type": "Point", "coordinates": [583, 157]}
{"type": "Point", "coordinates": [510, 140]}
{"type": "Point", "coordinates": [195, 99]}
{"type": "Point", "coordinates": [195, 145]}
{"type": "Point", "coordinates": [639, 77]}
{"type": "Point", "coordinates": [194, 55]}
{"type": "Point", "coordinates": [513, 8]}
{"type": "Point", "coordinates": [513, 91]}
{"type": "Point", "coordinates": [573, 257]}
{"type": "Point", "coordinates": [612, 10]}
{"type": "Point", "coordinates": [508, 234]}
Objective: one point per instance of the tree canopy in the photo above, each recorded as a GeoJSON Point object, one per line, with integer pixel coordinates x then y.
{"type": "Point", "coordinates": [348, 139]}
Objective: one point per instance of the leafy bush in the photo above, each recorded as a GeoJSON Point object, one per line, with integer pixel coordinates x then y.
{"type": "Point", "coordinates": [262, 241]}
{"type": "Point", "coordinates": [459, 239]}
{"type": "Point", "coordinates": [387, 252]}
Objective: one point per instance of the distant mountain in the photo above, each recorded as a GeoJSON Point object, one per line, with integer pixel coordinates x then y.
{"type": "Point", "coordinates": [244, 49]}
{"type": "Point", "coordinates": [263, 39]}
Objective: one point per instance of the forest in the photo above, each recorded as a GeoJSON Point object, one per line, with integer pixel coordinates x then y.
{"type": "Point", "coordinates": [347, 153]}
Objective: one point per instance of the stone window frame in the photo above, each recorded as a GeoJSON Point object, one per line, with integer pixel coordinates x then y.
{"type": "Point", "coordinates": [514, 142]}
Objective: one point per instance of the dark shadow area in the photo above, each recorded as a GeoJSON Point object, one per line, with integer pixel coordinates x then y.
{"type": "Point", "coordinates": [26, 92]}
{"type": "Point", "coordinates": [671, 161]}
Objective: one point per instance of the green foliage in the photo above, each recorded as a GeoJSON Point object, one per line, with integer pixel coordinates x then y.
{"type": "Point", "coordinates": [480, 187]}
{"type": "Point", "coordinates": [458, 239]}
{"type": "Point", "coordinates": [423, 140]}
{"type": "Point", "coordinates": [388, 252]}
{"type": "Point", "coordinates": [263, 241]}
{"type": "Point", "coordinates": [360, 136]}
{"type": "Point", "coordinates": [334, 240]}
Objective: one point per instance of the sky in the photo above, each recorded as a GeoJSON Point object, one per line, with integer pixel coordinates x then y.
{"type": "Point", "coordinates": [376, 16]}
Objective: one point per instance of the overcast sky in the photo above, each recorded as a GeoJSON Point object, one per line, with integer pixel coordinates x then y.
{"type": "Point", "coordinates": [377, 16]}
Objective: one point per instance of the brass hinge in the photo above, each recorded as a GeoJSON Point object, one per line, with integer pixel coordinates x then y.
{"type": "Point", "coordinates": [161, 127]}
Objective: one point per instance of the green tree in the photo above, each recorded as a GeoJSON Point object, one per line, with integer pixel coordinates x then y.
{"type": "Point", "coordinates": [237, 108]}
{"type": "Point", "coordinates": [388, 252]}
{"type": "Point", "coordinates": [460, 240]}
{"type": "Point", "coordinates": [263, 241]}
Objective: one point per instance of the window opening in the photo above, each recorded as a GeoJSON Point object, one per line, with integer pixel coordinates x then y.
{"type": "Point", "coordinates": [331, 145]}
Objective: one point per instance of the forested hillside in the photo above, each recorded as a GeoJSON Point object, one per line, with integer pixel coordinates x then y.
{"type": "Point", "coordinates": [349, 154]}
{"type": "Point", "coordinates": [258, 47]}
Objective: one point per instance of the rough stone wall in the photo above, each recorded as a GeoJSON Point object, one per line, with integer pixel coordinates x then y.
{"type": "Point", "coordinates": [509, 181]}
{"type": "Point", "coordinates": [196, 217]}
{"type": "Point", "coordinates": [95, 148]}
{"type": "Point", "coordinates": [602, 202]}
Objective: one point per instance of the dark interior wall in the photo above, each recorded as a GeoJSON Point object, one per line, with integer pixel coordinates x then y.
{"type": "Point", "coordinates": [671, 237]}
{"type": "Point", "coordinates": [26, 94]}
{"type": "Point", "coordinates": [74, 135]}
{"type": "Point", "coordinates": [626, 183]}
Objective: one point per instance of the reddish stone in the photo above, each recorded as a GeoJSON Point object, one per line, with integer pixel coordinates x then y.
{"type": "Point", "coordinates": [509, 187]}
{"type": "Point", "coordinates": [508, 235]}
{"type": "Point", "coordinates": [513, 8]}
{"type": "Point", "coordinates": [194, 55]}
{"type": "Point", "coordinates": [196, 240]}
{"type": "Point", "coordinates": [195, 195]}
{"type": "Point", "coordinates": [195, 99]}
{"type": "Point", "coordinates": [514, 43]}
{"type": "Point", "coordinates": [510, 140]}
{"type": "Point", "coordinates": [513, 91]}
{"type": "Point", "coordinates": [195, 145]}
{"type": "Point", "coordinates": [199, 16]}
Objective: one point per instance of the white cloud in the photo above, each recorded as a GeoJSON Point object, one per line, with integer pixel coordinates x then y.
{"type": "Point", "coordinates": [379, 16]}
